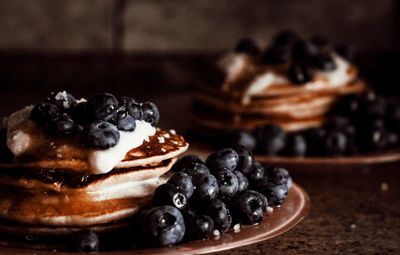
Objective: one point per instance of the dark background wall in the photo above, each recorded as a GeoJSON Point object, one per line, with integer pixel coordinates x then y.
{"type": "Point", "coordinates": [145, 47]}
{"type": "Point", "coordinates": [165, 25]}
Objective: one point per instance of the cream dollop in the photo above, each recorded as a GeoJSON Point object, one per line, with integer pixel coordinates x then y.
{"type": "Point", "coordinates": [103, 161]}
{"type": "Point", "coordinates": [23, 136]}
{"type": "Point", "coordinates": [235, 66]}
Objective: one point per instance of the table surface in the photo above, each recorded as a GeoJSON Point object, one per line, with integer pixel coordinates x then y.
{"type": "Point", "coordinates": [355, 209]}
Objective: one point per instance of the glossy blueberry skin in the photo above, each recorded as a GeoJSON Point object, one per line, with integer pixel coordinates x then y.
{"type": "Point", "coordinates": [271, 139]}
{"type": "Point", "coordinates": [206, 186]}
{"type": "Point", "coordinates": [303, 50]}
{"type": "Point", "coordinates": [168, 194]}
{"type": "Point", "coordinates": [63, 126]}
{"type": "Point", "coordinates": [243, 181]}
{"type": "Point", "coordinates": [164, 225]}
{"type": "Point", "coordinates": [132, 106]}
{"type": "Point", "coordinates": [300, 73]}
{"type": "Point", "coordinates": [279, 175]}
{"type": "Point", "coordinates": [247, 46]}
{"type": "Point", "coordinates": [296, 145]}
{"type": "Point", "coordinates": [150, 113]}
{"type": "Point", "coordinates": [220, 214]}
{"type": "Point", "coordinates": [185, 162]}
{"type": "Point", "coordinates": [201, 227]}
{"type": "Point", "coordinates": [44, 113]}
{"type": "Point", "coordinates": [84, 241]}
{"type": "Point", "coordinates": [257, 172]}
{"type": "Point", "coordinates": [123, 120]}
{"type": "Point", "coordinates": [246, 159]}
{"type": "Point", "coordinates": [196, 168]}
{"type": "Point", "coordinates": [250, 207]}
{"type": "Point", "coordinates": [228, 184]}
{"type": "Point", "coordinates": [276, 193]}
{"type": "Point", "coordinates": [102, 107]}
{"type": "Point", "coordinates": [225, 158]}
{"type": "Point", "coordinates": [101, 135]}
{"type": "Point", "coordinates": [183, 183]}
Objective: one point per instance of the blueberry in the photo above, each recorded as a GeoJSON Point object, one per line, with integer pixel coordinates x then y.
{"type": "Point", "coordinates": [132, 106]}
{"type": "Point", "coordinates": [324, 62]}
{"type": "Point", "coordinates": [295, 145]}
{"type": "Point", "coordinates": [277, 55]}
{"type": "Point", "coordinates": [168, 194]}
{"type": "Point", "coordinates": [44, 113]}
{"type": "Point", "coordinates": [250, 207]}
{"type": "Point", "coordinates": [228, 184]}
{"type": "Point", "coordinates": [206, 186]}
{"type": "Point", "coordinates": [336, 142]}
{"type": "Point", "coordinates": [220, 214]}
{"type": "Point", "coordinates": [85, 241]}
{"type": "Point", "coordinates": [275, 193]}
{"type": "Point", "coordinates": [300, 73]}
{"type": "Point", "coordinates": [319, 41]}
{"type": "Point", "coordinates": [101, 135]}
{"type": "Point", "coordinates": [279, 175]}
{"type": "Point", "coordinates": [248, 46]}
{"type": "Point", "coordinates": [225, 158]}
{"type": "Point", "coordinates": [150, 113]}
{"type": "Point", "coordinates": [183, 183]}
{"type": "Point", "coordinates": [196, 168]}
{"type": "Point", "coordinates": [315, 138]}
{"type": "Point", "coordinates": [123, 120]}
{"type": "Point", "coordinates": [344, 51]}
{"type": "Point", "coordinates": [377, 138]}
{"type": "Point", "coordinates": [63, 126]}
{"type": "Point", "coordinates": [243, 181]}
{"type": "Point", "coordinates": [285, 38]}
{"type": "Point", "coordinates": [271, 139]}
{"type": "Point", "coordinates": [246, 159]}
{"type": "Point", "coordinates": [303, 50]}
{"type": "Point", "coordinates": [62, 99]}
{"type": "Point", "coordinates": [373, 105]}
{"type": "Point", "coordinates": [164, 225]}
{"type": "Point", "coordinates": [186, 162]}
{"type": "Point", "coordinates": [240, 138]}
{"type": "Point", "coordinates": [347, 106]}
{"type": "Point", "coordinates": [201, 227]}
{"type": "Point", "coordinates": [79, 113]}
{"type": "Point", "coordinates": [257, 172]}
{"type": "Point", "coordinates": [102, 107]}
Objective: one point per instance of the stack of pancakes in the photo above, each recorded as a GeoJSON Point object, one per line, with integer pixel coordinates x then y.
{"type": "Point", "coordinates": [50, 196]}
{"type": "Point", "coordinates": [255, 93]}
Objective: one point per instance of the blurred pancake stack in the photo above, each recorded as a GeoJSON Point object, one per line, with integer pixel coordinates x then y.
{"type": "Point", "coordinates": [292, 83]}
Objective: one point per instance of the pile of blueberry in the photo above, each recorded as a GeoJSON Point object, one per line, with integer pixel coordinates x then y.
{"type": "Point", "coordinates": [203, 199]}
{"type": "Point", "coordinates": [97, 121]}
{"type": "Point", "coordinates": [303, 56]}
{"type": "Point", "coordinates": [357, 124]}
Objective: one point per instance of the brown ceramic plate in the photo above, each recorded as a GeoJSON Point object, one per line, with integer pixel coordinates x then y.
{"type": "Point", "coordinates": [283, 218]}
{"type": "Point", "coordinates": [390, 156]}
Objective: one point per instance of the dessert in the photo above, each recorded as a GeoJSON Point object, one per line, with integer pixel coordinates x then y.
{"type": "Point", "coordinates": [297, 97]}
{"type": "Point", "coordinates": [71, 165]}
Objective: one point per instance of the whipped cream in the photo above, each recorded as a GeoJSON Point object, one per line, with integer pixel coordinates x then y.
{"type": "Point", "coordinates": [24, 136]}
{"type": "Point", "coordinates": [235, 65]}
{"type": "Point", "coordinates": [103, 161]}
